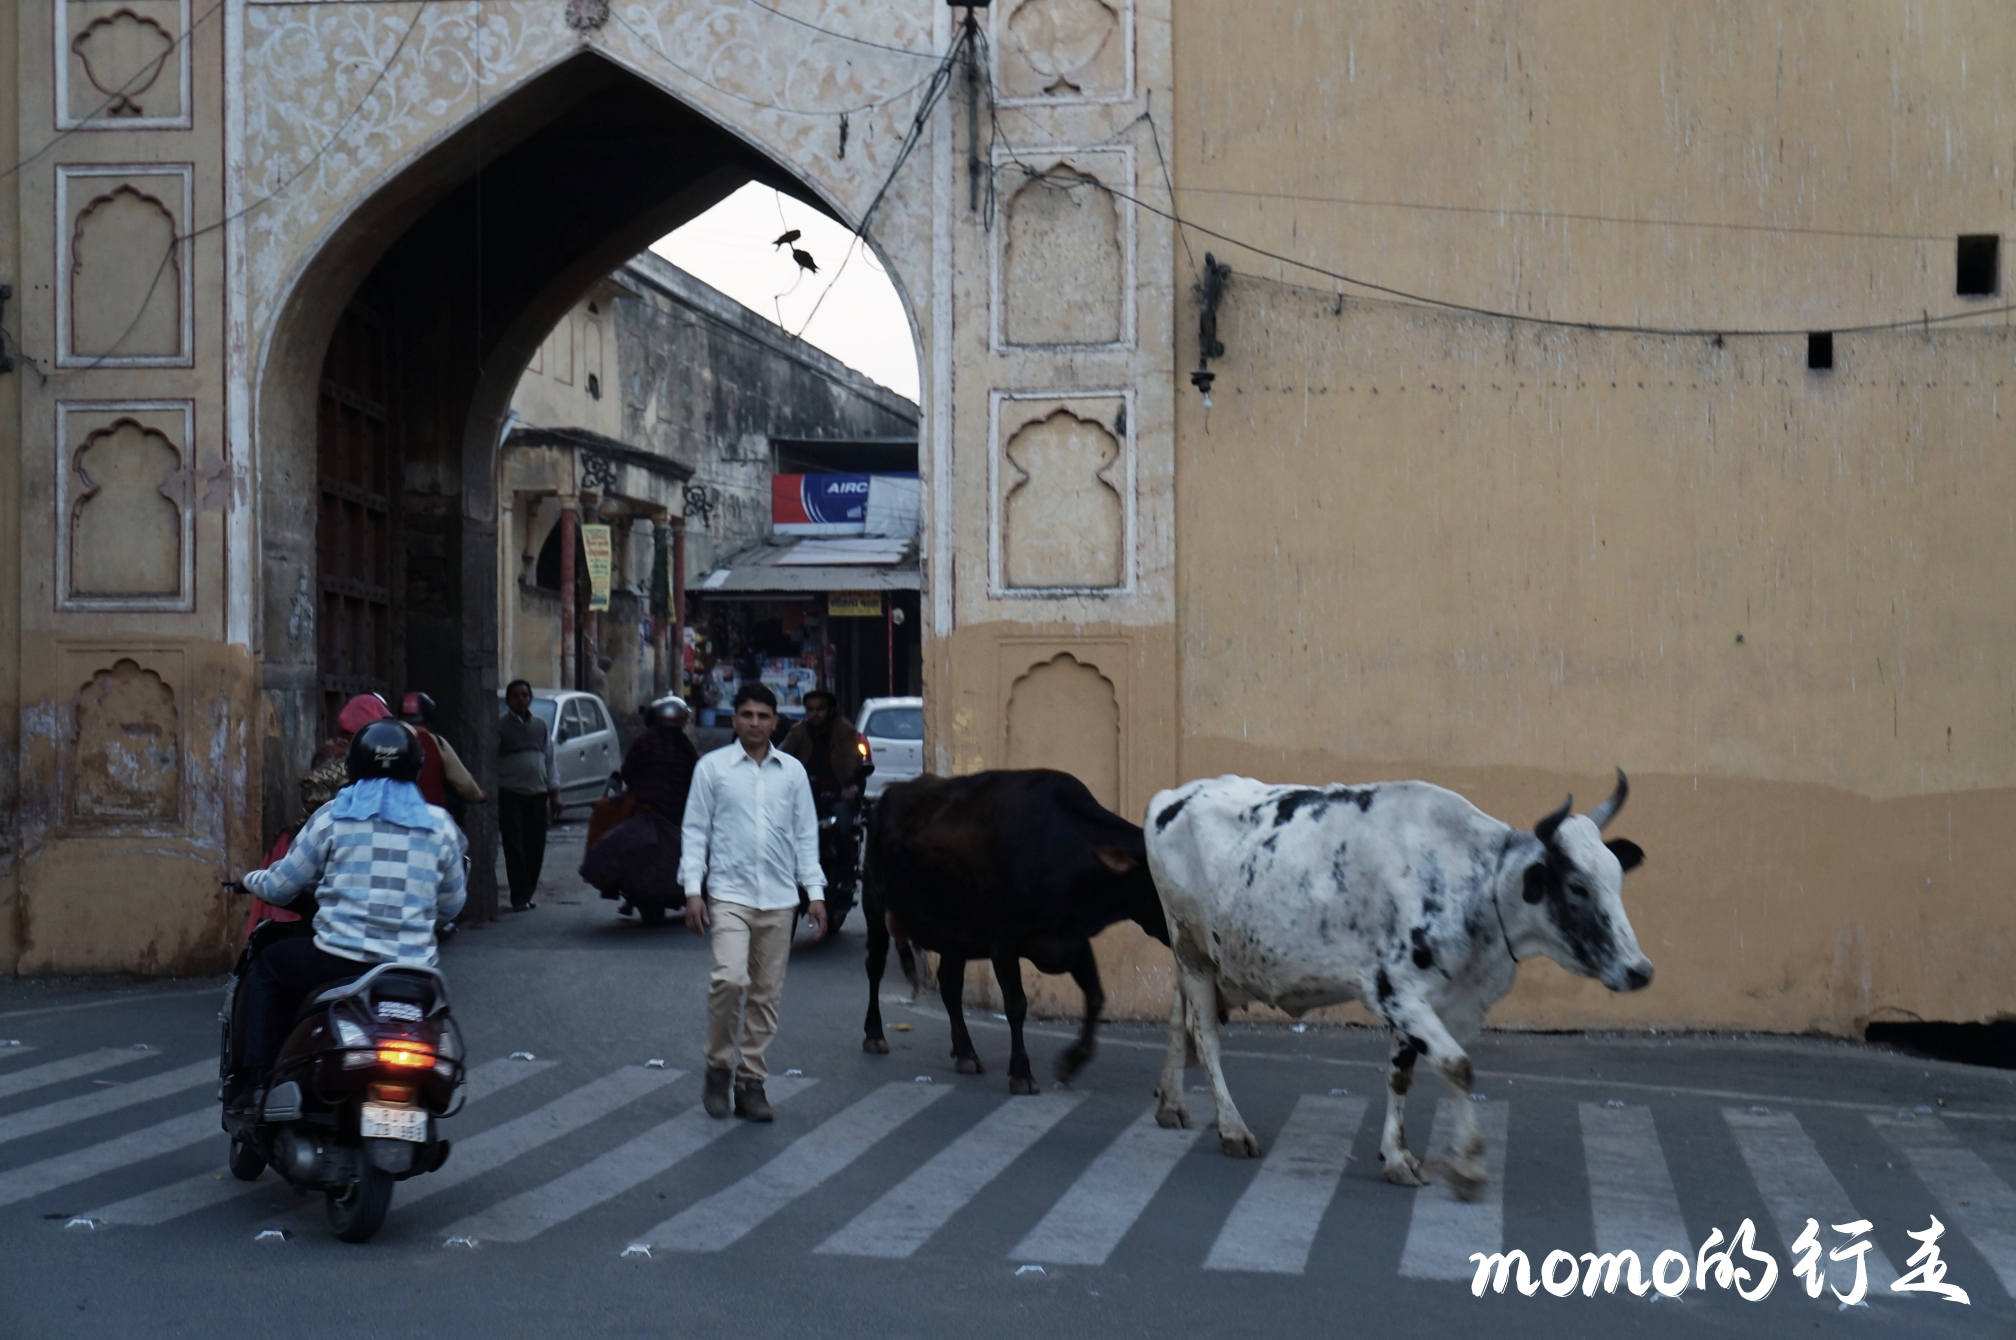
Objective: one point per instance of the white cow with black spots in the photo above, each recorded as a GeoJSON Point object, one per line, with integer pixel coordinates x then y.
{"type": "Point", "coordinates": [1401, 895]}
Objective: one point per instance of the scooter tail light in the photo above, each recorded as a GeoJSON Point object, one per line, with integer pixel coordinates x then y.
{"type": "Point", "coordinates": [405, 1058]}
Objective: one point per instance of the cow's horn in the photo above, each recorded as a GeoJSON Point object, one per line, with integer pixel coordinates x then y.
{"type": "Point", "coordinates": [1604, 813]}
{"type": "Point", "coordinates": [1544, 830]}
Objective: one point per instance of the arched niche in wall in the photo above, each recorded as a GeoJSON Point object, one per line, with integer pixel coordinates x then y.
{"type": "Point", "coordinates": [123, 269]}
{"type": "Point", "coordinates": [1064, 714]}
{"type": "Point", "coordinates": [126, 754]}
{"type": "Point", "coordinates": [1063, 522]}
{"type": "Point", "coordinates": [1063, 263]}
{"type": "Point", "coordinates": [124, 523]}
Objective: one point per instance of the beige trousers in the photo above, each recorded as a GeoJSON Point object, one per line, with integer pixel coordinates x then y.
{"type": "Point", "coordinates": [751, 948]}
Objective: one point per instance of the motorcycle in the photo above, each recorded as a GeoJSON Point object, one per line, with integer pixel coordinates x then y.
{"type": "Point", "coordinates": [353, 1102]}
{"type": "Point", "coordinates": [841, 829]}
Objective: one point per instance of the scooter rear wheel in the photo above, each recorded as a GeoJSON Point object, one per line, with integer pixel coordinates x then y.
{"type": "Point", "coordinates": [357, 1212]}
{"type": "Point", "coordinates": [246, 1161]}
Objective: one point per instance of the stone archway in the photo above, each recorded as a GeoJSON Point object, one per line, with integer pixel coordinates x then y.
{"type": "Point", "coordinates": [461, 263]}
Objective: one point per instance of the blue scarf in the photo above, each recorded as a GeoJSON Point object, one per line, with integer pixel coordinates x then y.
{"type": "Point", "coordinates": [383, 798]}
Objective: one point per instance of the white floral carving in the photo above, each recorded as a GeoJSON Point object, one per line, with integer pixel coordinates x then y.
{"type": "Point", "coordinates": [331, 114]}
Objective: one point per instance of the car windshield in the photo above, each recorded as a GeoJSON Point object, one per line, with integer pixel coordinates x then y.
{"type": "Point", "coordinates": [896, 723]}
{"type": "Point", "coordinates": [543, 709]}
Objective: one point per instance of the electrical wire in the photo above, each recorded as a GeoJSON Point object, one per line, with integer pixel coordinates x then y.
{"type": "Point", "coordinates": [114, 96]}
{"type": "Point", "coordinates": [183, 239]}
{"type": "Point", "coordinates": [939, 81]}
{"type": "Point", "coordinates": [845, 37]}
{"type": "Point", "coordinates": [1472, 309]}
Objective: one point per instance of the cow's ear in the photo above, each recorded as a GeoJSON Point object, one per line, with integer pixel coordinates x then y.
{"type": "Point", "coordinates": [1628, 853]}
{"type": "Point", "coordinates": [1114, 859]}
{"type": "Point", "coordinates": [1536, 881]}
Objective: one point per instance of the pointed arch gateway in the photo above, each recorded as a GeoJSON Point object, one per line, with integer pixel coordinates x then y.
{"type": "Point", "coordinates": [388, 371]}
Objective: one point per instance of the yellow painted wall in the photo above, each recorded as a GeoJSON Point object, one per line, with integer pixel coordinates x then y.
{"type": "Point", "coordinates": [1505, 557]}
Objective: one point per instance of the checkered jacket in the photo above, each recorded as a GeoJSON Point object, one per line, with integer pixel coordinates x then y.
{"type": "Point", "coordinates": [380, 886]}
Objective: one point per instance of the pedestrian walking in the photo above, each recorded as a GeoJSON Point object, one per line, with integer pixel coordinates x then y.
{"type": "Point", "coordinates": [750, 839]}
{"type": "Point", "coordinates": [528, 792]}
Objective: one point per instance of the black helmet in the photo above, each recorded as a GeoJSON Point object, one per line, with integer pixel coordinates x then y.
{"type": "Point", "coordinates": [384, 749]}
{"type": "Point", "coordinates": [671, 710]}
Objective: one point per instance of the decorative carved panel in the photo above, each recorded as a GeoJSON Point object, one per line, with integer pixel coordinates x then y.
{"type": "Point", "coordinates": [1063, 270]}
{"type": "Point", "coordinates": [1058, 50]}
{"type": "Point", "coordinates": [126, 517]}
{"type": "Point", "coordinates": [1064, 522]}
{"type": "Point", "coordinates": [1062, 267]}
{"type": "Point", "coordinates": [1064, 714]}
{"type": "Point", "coordinates": [1064, 494]}
{"type": "Point", "coordinates": [124, 286]}
{"type": "Point", "coordinates": [125, 507]}
{"type": "Point", "coordinates": [126, 756]}
{"type": "Point", "coordinates": [121, 64]}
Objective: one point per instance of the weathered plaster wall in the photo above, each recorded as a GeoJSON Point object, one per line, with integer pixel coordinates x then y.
{"type": "Point", "coordinates": [710, 383]}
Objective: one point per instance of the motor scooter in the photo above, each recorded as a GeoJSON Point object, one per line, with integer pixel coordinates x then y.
{"type": "Point", "coordinates": [352, 1104]}
{"type": "Point", "coordinates": [841, 828]}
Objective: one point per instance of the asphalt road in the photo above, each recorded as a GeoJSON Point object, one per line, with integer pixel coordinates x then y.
{"type": "Point", "coordinates": [893, 1197]}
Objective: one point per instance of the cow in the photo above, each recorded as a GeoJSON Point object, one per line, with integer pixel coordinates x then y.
{"type": "Point", "coordinates": [1002, 866]}
{"type": "Point", "coordinates": [1401, 895]}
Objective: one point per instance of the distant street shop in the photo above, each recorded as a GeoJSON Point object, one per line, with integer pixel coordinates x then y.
{"type": "Point", "coordinates": [798, 614]}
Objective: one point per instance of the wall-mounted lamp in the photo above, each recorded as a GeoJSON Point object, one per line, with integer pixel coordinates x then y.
{"type": "Point", "coordinates": [1211, 291]}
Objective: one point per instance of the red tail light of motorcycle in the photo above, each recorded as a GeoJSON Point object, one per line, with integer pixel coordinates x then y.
{"type": "Point", "coordinates": [867, 754]}
{"type": "Point", "coordinates": [405, 1057]}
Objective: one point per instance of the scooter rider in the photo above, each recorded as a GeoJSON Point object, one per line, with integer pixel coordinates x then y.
{"type": "Point", "coordinates": [385, 866]}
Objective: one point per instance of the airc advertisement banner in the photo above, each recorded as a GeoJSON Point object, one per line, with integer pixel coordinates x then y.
{"type": "Point", "coordinates": [833, 504]}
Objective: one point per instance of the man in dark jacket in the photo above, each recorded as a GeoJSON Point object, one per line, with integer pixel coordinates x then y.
{"type": "Point", "coordinates": [829, 747]}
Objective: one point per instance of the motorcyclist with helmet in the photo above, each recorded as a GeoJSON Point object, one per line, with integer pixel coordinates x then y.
{"type": "Point", "coordinates": [385, 866]}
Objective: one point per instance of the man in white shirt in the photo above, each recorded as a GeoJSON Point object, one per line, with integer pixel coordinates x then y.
{"type": "Point", "coordinates": [750, 838]}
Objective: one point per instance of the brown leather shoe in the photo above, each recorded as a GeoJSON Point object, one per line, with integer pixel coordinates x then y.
{"type": "Point", "coordinates": [750, 1103]}
{"type": "Point", "coordinates": [715, 1099]}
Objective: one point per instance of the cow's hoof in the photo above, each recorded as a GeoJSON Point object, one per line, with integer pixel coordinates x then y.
{"type": "Point", "coordinates": [969, 1065]}
{"type": "Point", "coordinates": [1172, 1118]}
{"type": "Point", "coordinates": [875, 1046]}
{"type": "Point", "coordinates": [1021, 1084]}
{"type": "Point", "coordinates": [1239, 1144]}
{"type": "Point", "coordinates": [1405, 1170]}
{"type": "Point", "coordinates": [1464, 1185]}
{"type": "Point", "coordinates": [1071, 1062]}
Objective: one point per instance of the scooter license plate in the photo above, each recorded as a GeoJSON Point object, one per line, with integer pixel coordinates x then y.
{"type": "Point", "coordinates": [381, 1121]}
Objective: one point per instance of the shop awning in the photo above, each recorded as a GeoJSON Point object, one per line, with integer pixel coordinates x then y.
{"type": "Point", "coordinates": [804, 566]}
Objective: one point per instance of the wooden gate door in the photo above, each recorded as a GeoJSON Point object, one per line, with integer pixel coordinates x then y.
{"type": "Point", "coordinates": [357, 540]}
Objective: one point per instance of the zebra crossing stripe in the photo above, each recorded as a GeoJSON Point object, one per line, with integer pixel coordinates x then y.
{"type": "Point", "coordinates": [1980, 1204]}
{"type": "Point", "coordinates": [1797, 1185]}
{"type": "Point", "coordinates": [1085, 1226]}
{"type": "Point", "coordinates": [492, 1149]}
{"type": "Point", "coordinates": [1445, 1230]}
{"type": "Point", "coordinates": [70, 1067]}
{"type": "Point", "coordinates": [731, 1214]}
{"type": "Point", "coordinates": [917, 1207]}
{"type": "Point", "coordinates": [162, 1138]}
{"type": "Point", "coordinates": [203, 1190]}
{"type": "Point", "coordinates": [1631, 1196]}
{"type": "Point", "coordinates": [1274, 1224]}
{"type": "Point", "coordinates": [17, 1051]}
{"type": "Point", "coordinates": [86, 1106]}
{"type": "Point", "coordinates": [530, 1213]}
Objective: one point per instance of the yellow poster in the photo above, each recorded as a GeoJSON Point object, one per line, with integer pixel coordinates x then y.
{"type": "Point", "coordinates": [854, 604]}
{"type": "Point", "coordinates": [595, 545]}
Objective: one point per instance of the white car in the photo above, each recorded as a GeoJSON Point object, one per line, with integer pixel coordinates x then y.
{"type": "Point", "coordinates": [584, 742]}
{"type": "Point", "coordinates": [894, 729]}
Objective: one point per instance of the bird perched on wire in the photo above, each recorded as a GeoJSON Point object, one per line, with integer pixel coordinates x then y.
{"type": "Point", "coordinates": [788, 238]}
{"type": "Point", "coordinates": [805, 261]}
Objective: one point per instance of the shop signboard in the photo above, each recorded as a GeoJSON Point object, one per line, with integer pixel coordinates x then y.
{"type": "Point", "coordinates": [843, 504]}
{"type": "Point", "coordinates": [854, 604]}
{"type": "Point", "coordinates": [595, 545]}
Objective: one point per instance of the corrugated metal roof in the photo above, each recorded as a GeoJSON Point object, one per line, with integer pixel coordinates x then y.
{"type": "Point", "coordinates": [810, 565]}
